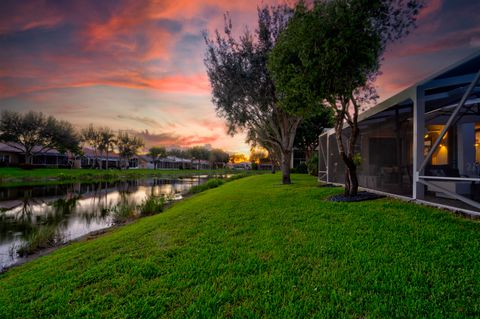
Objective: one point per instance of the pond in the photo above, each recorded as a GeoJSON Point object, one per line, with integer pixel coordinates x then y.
{"type": "Point", "coordinates": [70, 211]}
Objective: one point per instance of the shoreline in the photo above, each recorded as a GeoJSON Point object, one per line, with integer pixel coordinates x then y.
{"type": "Point", "coordinates": [86, 237]}
{"type": "Point", "coordinates": [91, 235]}
{"type": "Point", "coordinates": [92, 176]}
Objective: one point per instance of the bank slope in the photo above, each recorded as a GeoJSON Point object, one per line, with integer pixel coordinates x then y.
{"type": "Point", "coordinates": [253, 248]}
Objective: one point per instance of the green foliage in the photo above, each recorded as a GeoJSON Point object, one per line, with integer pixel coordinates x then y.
{"type": "Point", "coordinates": [152, 205]}
{"type": "Point", "coordinates": [330, 54]}
{"type": "Point", "coordinates": [211, 183]}
{"type": "Point", "coordinates": [107, 142]}
{"type": "Point", "coordinates": [312, 164]}
{"type": "Point", "coordinates": [218, 156]}
{"type": "Point", "coordinates": [11, 176]}
{"type": "Point", "coordinates": [199, 152]}
{"type": "Point", "coordinates": [178, 153]}
{"type": "Point", "coordinates": [357, 159]}
{"type": "Point", "coordinates": [237, 176]}
{"type": "Point", "coordinates": [330, 51]}
{"type": "Point", "coordinates": [41, 238]}
{"type": "Point", "coordinates": [243, 91]}
{"type": "Point", "coordinates": [33, 133]}
{"type": "Point", "coordinates": [300, 169]}
{"type": "Point", "coordinates": [128, 145]}
{"type": "Point", "coordinates": [157, 152]}
{"type": "Point", "coordinates": [254, 249]}
{"type": "Point", "coordinates": [311, 127]}
{"type": "Point", "coordinates": [123, 212]}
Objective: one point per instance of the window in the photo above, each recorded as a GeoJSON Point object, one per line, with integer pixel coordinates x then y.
{"type": "Point", "coordinates": [440, 156]}
{"type": "Point", "coordinates": [477, 142]}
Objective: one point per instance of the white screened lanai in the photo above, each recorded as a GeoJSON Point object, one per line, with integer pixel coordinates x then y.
{"type": "Point", "coordinates": [423, 143]}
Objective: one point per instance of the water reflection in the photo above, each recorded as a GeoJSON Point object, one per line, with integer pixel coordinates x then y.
{"type": "Point", "coordinates": [73, 210]}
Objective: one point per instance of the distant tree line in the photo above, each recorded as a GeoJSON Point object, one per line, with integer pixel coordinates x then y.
{"type": "Point", "coordinates": [34, 133]}
{"type": "Point", "coordinates": [216, 157]}
{"type": "Point", "coordinates": [104, 141]}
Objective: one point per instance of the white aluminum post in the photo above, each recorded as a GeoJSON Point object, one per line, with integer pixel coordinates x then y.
{"type": "Point", "coordinates": [418, 140]}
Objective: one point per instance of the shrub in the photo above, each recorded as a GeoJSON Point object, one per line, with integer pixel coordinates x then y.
{"type": "Point", "coordinates": [237, 176]}
{"type": "Point", "coordinates": [300, 169]}
{"type": "Point", "coordinates": [43, 237]}
{"type": "Point", "coordinates": [312, 165]}
{"type": "Point", "coordinates": [212, 183]}
{"type": "Point", "coordinates": [123, 212]}
{"type": "Point", "coordinates": [152, 205]}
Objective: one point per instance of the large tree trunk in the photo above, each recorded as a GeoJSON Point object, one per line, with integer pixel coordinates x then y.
{"type": "Point", "coordinates": [106, 164]}
{"type": "Point", "coordinates": [351, 180]}
{"type": "Point", "coordinates": [286, 162]}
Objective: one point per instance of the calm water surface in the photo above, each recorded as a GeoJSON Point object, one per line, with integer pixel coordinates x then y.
{"type": "Point", "coordinates": [74, 210]}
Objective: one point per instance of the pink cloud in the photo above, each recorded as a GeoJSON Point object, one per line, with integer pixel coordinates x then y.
{"type": "Point", "coordinates": [173, 139]}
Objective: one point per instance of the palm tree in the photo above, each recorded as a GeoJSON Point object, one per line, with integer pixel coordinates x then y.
{"type": "Point", "coordinates": [156, 153]}
{"type": "Point", "coordinates": [128, 146]}
{"type": "Point", "coordinates": [91, 136]}
{"type": "Point", "coordinates": [107, 141]}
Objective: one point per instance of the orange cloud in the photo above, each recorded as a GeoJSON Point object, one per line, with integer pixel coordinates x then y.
{"type": "Point", "coordinates": [172, 139]}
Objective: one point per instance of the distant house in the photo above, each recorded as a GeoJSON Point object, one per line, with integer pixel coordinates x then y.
{"type": "Point", "coordinates": [267, 166]}
{"type": "Point", "coordinates": [240, 166]}
{"type": "Point", "coordinates": [90, 160]}
{"type": "Point", "coordinates": [200, 164]}
{"type": "Point", "coordinates": [87, 160]}
{"type": "Point", "coordinates": [11, 156]}
{"type": "Point", "coordinates": [299, 157]}
{"type": "Point", "coordinates": [422, 143]}
{"type": "Point", "coordinates": [173, 162]}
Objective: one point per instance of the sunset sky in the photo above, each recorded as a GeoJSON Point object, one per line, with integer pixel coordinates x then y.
{"type": "Point", "coordinates": [138, 64]}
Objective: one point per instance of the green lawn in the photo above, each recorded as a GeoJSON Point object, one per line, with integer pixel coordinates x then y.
{"type": "Point", "coordinates": [10, 176]}
{"type": "Point", "coordinates": [255, 248]}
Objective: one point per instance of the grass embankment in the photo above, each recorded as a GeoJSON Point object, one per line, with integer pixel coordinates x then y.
{"type": "Point", "coordinates": [255, 248]}
{"type": "Point", "coordinates": [10, 176]}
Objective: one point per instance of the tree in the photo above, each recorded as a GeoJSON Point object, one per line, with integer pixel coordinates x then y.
{"type": "Point", "coordinates": [33, 133]}
{"type": "Point", "coordinates": [243, 90]}
{"type": "Point", "coordinates": [178, 152]}
{"type": "Point", "coordinates": [106, 141]}
{"type": "Point", "coordinates": [91, 136]}
{"type": "Point", "coordinates": [331, 54]}
{"type": "Point", "coordinates": [310, 129]}
{"type": "Point", "coordinates": [199, 152]}
{"type": "Point", "coordinates": [128, 146]}
{"type": "Point", "coordinates": [156, 153]}
{"type": "Point", "coordinates": [218, 157]}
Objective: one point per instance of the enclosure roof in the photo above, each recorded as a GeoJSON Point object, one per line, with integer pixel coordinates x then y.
{"type": "Point", "coordinates": [441, 89]}
{"type": "Point", "coordinates": [444, 86]}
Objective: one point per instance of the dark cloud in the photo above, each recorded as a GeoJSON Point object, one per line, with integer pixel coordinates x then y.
{"type": "Point", "coordinates": [143, 120]}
